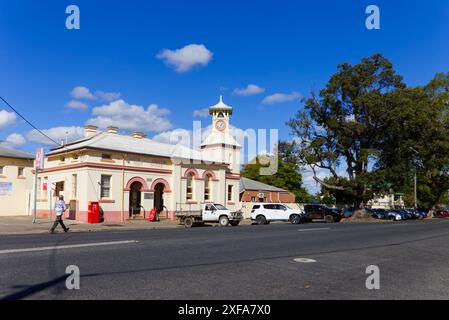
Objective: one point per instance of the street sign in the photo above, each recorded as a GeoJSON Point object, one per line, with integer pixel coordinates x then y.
{"type": "Point", "coordinates": [39, 162]}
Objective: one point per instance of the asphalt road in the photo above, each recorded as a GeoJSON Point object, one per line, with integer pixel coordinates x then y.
{"type": "Point", "coordinates": [246, 262]}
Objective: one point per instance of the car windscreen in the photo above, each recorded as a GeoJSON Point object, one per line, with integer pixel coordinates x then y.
{"type": "Point", "coordinates": [220, 207]}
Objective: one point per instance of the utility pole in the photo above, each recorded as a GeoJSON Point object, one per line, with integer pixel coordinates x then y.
{"type": "Point", "coordinates": [416, 191]}
{"type": "Point", "coordinates": [415, 178]}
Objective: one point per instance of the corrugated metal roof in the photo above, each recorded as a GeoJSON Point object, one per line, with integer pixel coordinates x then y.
{"type": "Point", "coordinates": [128, 144]}
{"type": "Point", "coordinates": [13, 153]}
{"type": "Point", "coordinates": [248, 184]}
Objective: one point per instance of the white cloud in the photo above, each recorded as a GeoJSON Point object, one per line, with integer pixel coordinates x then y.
{"type": "Point", "coordinates": [201, 113]}
{"type": "Point", "coordinates": [131, 117]}
{"type": "Point", "coordinates": [7, 119]}
{"type": "Point", "coordinates": [108, 96]}
{"type": "Point", "coordinates": [14, 140]}
{"type": "Point", "coordinates": [57, 133]}
{"type": "Point", "coordinates": [184, 59]}
{"type": "Point", "coordinates": [77, 105]}
{"type": "Point", "coordinates": [281, 97]}
{"type": "Point", "coordinates": [82, 93]}
{"type": "Point", "coordinates": [250, 90]}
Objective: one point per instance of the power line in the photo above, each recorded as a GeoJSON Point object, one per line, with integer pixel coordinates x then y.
{"type": "Point", "coordinates": [32, 125]}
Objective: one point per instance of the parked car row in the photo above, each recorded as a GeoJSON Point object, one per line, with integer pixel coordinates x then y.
{"type": "Point", "coordinates": [266, 213]}
{"type": "Point", "coordinates": [397, 214]}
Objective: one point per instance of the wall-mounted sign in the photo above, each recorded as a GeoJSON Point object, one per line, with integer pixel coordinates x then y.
{"type": "Point", "coordinates": [5, 189]}
{"type": "Point", "coordinates": [148, 196]}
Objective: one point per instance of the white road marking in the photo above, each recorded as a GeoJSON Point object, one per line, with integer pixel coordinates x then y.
{"type": "Point", "coordinates": [85, 245]}
{"type": "Point", "coordinates": [304, 260]}
{"type": "Point", "coordinates": [313, 229]}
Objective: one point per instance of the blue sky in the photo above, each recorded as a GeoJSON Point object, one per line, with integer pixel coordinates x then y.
{"type": "Point", "coordinates": [284, 47]}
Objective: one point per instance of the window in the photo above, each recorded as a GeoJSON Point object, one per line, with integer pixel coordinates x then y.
{"type": "Point", "coordinates": [253, 199]}
{"type": "Point", "coordinates": [256, 207]}
{"type": "Point", "coordinates": [2, 170]}
{"type": "Point", "coordinates": [190, 186]}
{"type": "Point", "coordinates": [105, 186]}
{"type": "Point", "coordinates": [270, 206]}
{"type": "Point", "coordinates": [230, 189]}
{"type": "Point", "coordinates": [20, 172]}
{"type": "Point", "coordinates": [74, 186]}
{"type": "Point", "coordinates": [207, 188]}
{"type": "Point", "coordinates": [106, 156]}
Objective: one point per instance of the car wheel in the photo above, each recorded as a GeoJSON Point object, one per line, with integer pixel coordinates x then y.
{"type": "Point", "coordinates": [224, 221]}
{"type": "Point", "coordinates": [188, 222]}
{"type": "Point", "coordinates": [295, 219]}
{"type": "Point", "coordinates": [391, 218]}
{"type": "Point", "coordinates": [261, 220]}
{"type": "Point", "coordinates": [329, 219]}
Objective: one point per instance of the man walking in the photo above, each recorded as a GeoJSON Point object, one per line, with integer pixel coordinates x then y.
{"type": "Point", "coordinates": [60, 208]}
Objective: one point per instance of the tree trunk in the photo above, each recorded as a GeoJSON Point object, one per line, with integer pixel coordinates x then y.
{"type": "Point", "coordinates": [360, 213]}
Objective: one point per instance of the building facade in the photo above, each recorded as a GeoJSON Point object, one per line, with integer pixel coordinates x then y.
{"type": "Point", "coordinates": [16, 182]}
{"type": "Point", "coordinates": [130, 174]}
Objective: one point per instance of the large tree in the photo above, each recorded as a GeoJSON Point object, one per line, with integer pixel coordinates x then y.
{"type": "Point", "coordinates": [416, 140]}
{"type": "Point", "coordinates": [342, 127]}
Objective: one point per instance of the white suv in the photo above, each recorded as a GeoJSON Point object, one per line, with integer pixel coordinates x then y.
{"type": "Point", "coordinates": [267, 212]}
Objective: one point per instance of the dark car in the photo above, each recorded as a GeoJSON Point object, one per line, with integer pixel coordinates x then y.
{"type": "Point", "coordinates": [319, 211]}
{"type": "Point", "coordinates": [378, 213]}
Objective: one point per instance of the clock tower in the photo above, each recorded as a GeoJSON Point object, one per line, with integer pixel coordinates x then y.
{"type": "Point", "coordinates": [220, 144]}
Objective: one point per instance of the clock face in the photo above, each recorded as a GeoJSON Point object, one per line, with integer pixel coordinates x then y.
{"type": "Point", "coordinates": [220, 125]}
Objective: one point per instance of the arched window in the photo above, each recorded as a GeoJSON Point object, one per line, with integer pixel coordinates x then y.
{"type": "Point", "coordinates": [221, 115]}
{"type": "Point", "coordinates": [207, 188]}
{"type": "Point", "coordinates": [190, 186]}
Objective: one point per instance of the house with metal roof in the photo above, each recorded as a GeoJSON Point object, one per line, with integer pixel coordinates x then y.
{"type": "Point", "coordinates": [16, 181]}
{"type": "Point", "coordinates": [255, 191]}
{"type": "Point", "coordinates": [130, 174]}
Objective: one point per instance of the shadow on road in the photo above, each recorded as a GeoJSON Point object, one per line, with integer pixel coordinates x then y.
{"type": "Point", "coordinates": [34, 289]}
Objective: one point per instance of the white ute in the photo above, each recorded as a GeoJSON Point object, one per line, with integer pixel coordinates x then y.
{"type": "Point", "coordinates": [267, 212]}
{"type": "Point", "coordinates": [212, 213]}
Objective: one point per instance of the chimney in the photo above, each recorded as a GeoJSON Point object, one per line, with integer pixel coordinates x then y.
{"type": "Point", "coordinates": [113, 130]}
{"type": "Point", "coordinates": [138, 135]}
{"type": "Point", "coordinates": [90, 131]}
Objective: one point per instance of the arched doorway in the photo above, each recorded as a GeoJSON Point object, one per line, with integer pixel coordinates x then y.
{"type": "Point", "coordinates": [135, 198]}
{"type": "Point", "coordinates": [159, 197]}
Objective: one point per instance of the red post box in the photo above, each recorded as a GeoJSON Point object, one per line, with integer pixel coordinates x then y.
{"type": "Point", "coordinates": [152, 215]}
{"type": "Point", "coordinates": [93, 212]}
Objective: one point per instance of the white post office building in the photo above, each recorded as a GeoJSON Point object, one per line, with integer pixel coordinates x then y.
{"type": "Point", "coordinates": [130, 174]}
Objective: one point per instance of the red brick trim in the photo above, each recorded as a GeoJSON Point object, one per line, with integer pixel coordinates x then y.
{"type": "Point", "coordinates": [137, 179]}
{"type": "Point", "coordinates": [194, 172]}
{"type": "Point", "coordinates": [105, 166]}
{"type": "Point", "coordinates": [164, 182]}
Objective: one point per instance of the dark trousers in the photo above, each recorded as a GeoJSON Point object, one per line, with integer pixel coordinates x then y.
{"type": "Point", "coordinates": [58, 221]}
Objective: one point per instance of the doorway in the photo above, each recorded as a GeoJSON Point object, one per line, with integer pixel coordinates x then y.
{"type": "Point", "coordinates": [135, 199]}
{"type": "Point", "coordinates": [159, 197]}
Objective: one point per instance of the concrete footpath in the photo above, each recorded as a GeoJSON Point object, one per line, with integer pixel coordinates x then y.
{"type": "Point", "coordinates": [24, 225]}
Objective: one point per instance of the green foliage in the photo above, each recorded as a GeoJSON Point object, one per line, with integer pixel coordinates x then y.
{"type": "Point", "coordinates": [367, 120]}
{"type": "Point", "coordinates": [344, 125]}
{"type": "Point", "coordinates": [287, 176]}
